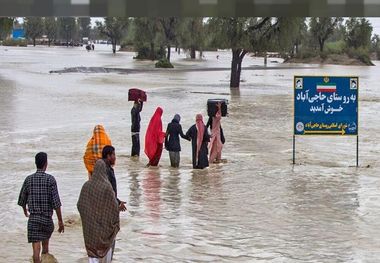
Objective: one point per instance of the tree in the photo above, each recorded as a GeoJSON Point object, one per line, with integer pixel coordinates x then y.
{"type": "Point", "coordinates": [148, 35]}
{"type": "Point", "coordinates": [322, 28]}
{"type": "Point", "coordinates": [170, 29]}
{"type": "Point", "coordinates": [192, 34]}
{"type": "Point", "coordinates": [291, 33]}
{"type": "Point", "coordinates": [359, 32]}
{"type": "Point", "coordinates": [50, 28]}
{"type": "Point", "coordinates": [239, 34]}
{"type": "Point", "coordinates": [33, 28]}
{"type": "Point", "coordinates": [67, 26]}
{"type": "Point", "coordinates": [114, 28]}
{"type": "Point", "coordinates": [85, 26]}
{"type": "Point", "coordinates": [6, 24]}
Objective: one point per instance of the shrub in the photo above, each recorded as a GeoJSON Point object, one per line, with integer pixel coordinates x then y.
{"type": "Point", "coordinates": [164, 63]}
{"type": "Point", "coordinates": [306, 54]}
{"type": "Point", "coordinates": [361, 54]}
{"type": "Point", "coordinates": [336, 47]}
{"type": "Point", "coordinates": [15, 42]}
{"type": "Point", "coordinates": [144, 53]}
{"type": "Point", "coordinates": [323, 55]}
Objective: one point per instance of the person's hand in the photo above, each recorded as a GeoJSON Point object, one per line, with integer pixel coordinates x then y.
{"type": "Point", "coordinates": [61, 227]}
{"type": "Point", "coordinates": [26, 213]}
{"type": "Point", "coordinates": [139, 101]}
{"type": "Point", "coordinates": [122, 206]}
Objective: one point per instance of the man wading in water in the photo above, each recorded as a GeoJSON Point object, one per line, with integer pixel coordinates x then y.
{"type": "Point", "coordinates": [39, 195]}
{"type": "Point", "coordinates": [135, 129]}
{"type": "Point", "coordinates": [109, 157]}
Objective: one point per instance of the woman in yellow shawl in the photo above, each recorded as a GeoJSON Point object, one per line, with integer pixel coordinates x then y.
{"type": "Point", "coordinates": [94, 148]}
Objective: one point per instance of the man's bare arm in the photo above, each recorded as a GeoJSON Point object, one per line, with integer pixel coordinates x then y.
{"type": "Point", "coordinates": [61, 228]}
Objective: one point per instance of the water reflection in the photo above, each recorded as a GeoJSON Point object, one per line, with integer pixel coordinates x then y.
{"type": "Point", "coordinates": [135, 190]}
{"type": "Point", "coordinates": [171, 192]}
{"type": "Point", "coordinates": [333, 199]}
{"type": "Point", "coordinates": [151, 185]}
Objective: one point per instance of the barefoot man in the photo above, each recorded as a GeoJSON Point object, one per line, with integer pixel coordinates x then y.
{"type": "Point", "coordinates": [39, 197]}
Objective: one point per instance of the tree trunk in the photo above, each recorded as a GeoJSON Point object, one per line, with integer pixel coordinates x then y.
{"type": "Point", "coordinates": [114, 46]}
{"type": "Point", "coordinates": [321, 45]}
{"type": "Point", "coordinates": [168, 56]}
{"type": "Point", "coordinates": [152, 51]}
{"type": "Point", "coordinates": [49, 42]}
{"type": "Point", "coordinates": [237, 59]}
{"type": "Point", "coordinates": [200, 54]}
{"type": "Point", "coordinates": [192, 53]}
{"type": "Point", "coordinates": [235, 77]}
{"type": "Point", "coordinates": [34, 42]}
{"type": "Point", "coordinates": [265, 58]}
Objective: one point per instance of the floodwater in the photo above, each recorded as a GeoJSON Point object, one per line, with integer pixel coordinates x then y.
{"type": "Point", "coordinates": [256, 207]}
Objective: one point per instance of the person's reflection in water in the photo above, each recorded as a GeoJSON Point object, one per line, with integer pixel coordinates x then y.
{"type": "Point", "coordinates": [171, 192]}
{"type": "Point", "coordinates": [206, 187]}
{"type": "Point", "coordinates": [151, 185]}
{"type": "Point", "coordinates": [135, 190]}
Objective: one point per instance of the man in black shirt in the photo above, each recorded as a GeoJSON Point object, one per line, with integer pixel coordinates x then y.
{"type": "Point", "coordinates": [109, 157]}
{"type": "Point", "coordinates": [135, 129]}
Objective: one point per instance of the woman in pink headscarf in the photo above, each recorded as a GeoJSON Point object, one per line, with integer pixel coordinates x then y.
{"type": "Point", "coordinates": [217, 137]}
{"type": "Point", "coordinates": [199, 138]}
{"type": "Point", "coordinates": [154, 138]}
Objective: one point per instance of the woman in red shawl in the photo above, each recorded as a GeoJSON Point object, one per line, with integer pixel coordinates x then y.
{"type": "Point", "coordinates": [199, 140]}
{"type": "Point", "coordinates": [154, 138]}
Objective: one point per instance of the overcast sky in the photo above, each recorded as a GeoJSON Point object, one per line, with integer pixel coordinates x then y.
{"type": "Point", "coordinates": [375, 21]}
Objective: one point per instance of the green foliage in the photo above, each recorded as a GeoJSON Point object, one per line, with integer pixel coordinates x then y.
{"type": "Point", "coordinates": [322, 28]}
{"type": "Point", "coordinates": [148, 34]}
{"type": "Point", "coordinates": [50, 28]}
{"type": "Point", "coordinates": [306, 53]}
{"type": "Point", "coordinates": [360, 53]}
{"type": "Point", "coordinates": [15, 42]}
{"type": "Point", "coordinates": [164, 63]}
{"type": "Point", "coordinates": [337, 47]}
{"type": "Point", "coordinates": [5, 26]}
{"type": "Point", "coordinates": [128, 39]}
{"type": "Point", "coordinates": [192, 33]}
{"type": "Point", "coordinates": [145, 53]}
{"type": "Point", "coordinates": [230, 33]}
{"type": "Point", "coordinates": [113, 27]}
{"type": "Point", "coordinates": [84, 26]}
{"type": "Point", "coordinates": [358, 33]}
{"type": "Point", "coordinates": [67, 27]}
{"type": "Point", "coordinates": [33, 27]}
{"type": "Point", "coordinates": [291, 33]}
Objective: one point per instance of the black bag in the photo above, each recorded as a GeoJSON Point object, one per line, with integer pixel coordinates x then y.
{"type": "Point", "coordinates": [212, 107]}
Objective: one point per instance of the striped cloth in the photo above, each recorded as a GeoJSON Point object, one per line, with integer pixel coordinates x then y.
{"type": "Point", "coordinates": [99, 212]}
{"type": "Point", "coordinates": [40, 194]}
{"type": "Point", "coordinates": [95, 147]}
